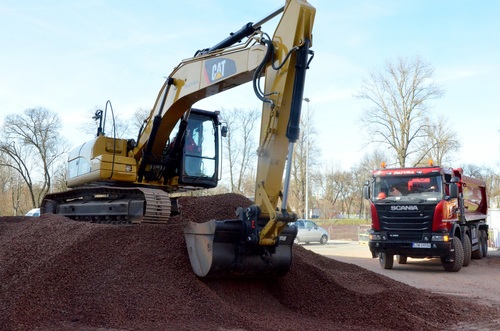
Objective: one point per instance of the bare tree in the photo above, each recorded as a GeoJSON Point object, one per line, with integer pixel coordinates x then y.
{"type": "Point", "coordinates": [139, 118]}
{"type": "Point", "coordinates": [113, 123]}
{"type": "Point", "coordinates": [359, 177]}
{"type": "Point", "coordinates": [332, 186]}
{"type": "Point", "coordinates": [399, 94]}
{"type": "Point", "coordinates": [349, 192]}
{"type": "Point", "coordinates": [59, 182]}
{"type": "Point", "coordinates": [487, 174]}
{"type": "Point", "coordinates": [240, 145]}
{"type": "Point", "coordinates": [298, 175]}
{"type": "Point", "coordinates": [11, 192]}
{"type": "Point", "coordinates": [30, 146]}
{"type": "Point", "coordinates": [440, 142]}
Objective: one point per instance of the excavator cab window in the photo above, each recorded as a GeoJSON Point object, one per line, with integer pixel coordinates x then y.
{"type": "Point", "coordinates": [201, 149]}
{"type": "Point", "coordinates": [193, 149]}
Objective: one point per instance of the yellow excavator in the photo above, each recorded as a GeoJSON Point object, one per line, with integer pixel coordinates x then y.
{"type": "Point", "coordinates": [132, 181]}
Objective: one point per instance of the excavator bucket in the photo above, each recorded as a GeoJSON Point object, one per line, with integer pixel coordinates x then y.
{"type": "Point", "coordinates": [219, 249]}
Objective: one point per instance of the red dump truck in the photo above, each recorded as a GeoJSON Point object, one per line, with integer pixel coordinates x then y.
{"type": "Point", "coordinates": [426, 212]}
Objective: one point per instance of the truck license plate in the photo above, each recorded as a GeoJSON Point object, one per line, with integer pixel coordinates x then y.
{"type": "Point", "coordinates": [421, 245]}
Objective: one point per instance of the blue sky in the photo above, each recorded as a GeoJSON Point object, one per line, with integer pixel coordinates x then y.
{"type": "Point", "coordinates": [72, 56]}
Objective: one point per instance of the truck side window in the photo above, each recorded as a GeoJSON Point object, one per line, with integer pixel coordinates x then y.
{"type": "Point", "coordinates": [447, 179]}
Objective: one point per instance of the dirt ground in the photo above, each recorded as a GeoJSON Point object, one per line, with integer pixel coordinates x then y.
{"type": "Point", "coordinates": [475, 281]}
{"type": "Point", "coordinates": [58, 274]}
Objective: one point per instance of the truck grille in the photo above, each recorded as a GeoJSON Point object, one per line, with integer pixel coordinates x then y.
{"type": "Point", "coordinates": [406, 223]}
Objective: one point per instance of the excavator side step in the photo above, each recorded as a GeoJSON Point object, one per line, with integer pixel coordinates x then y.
{"type": "Point", "coordinates": [216, 249]}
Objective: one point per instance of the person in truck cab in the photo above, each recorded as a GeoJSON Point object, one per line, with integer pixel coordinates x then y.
{"type": "Point", "coordinates": [395, 192]}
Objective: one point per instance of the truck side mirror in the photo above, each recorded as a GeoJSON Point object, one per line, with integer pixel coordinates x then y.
{"type": "Point", "coordinates": [366, 190]}
{"type": "Point", "coordinates": [453, 190]}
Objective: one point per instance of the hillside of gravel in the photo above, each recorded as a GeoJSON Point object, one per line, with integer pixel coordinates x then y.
{"type": "Point", "coordinates": [58, 274]}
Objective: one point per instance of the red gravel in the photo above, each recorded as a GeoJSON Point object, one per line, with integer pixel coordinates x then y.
{"type": "Point", "coordinates": [57, 274]}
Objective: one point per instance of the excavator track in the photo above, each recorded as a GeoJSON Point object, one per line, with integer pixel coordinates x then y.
{"type": "Point", "coordinates": [110, 205]}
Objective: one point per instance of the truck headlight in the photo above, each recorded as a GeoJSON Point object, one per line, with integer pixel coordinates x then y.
{"type": "Point", "coordinates": [440, 237]}
{"type": "Point", "coordinates": [375, 236]}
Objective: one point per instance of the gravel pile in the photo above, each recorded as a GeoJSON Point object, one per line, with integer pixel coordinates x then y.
{"type": "Point", "coordinates": [57, 274]}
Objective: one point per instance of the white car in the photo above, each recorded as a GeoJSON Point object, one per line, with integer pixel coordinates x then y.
{"type": "Point", "coordinates": [33, 212]}
{"type": "Point", "coordinates": [308, 232]}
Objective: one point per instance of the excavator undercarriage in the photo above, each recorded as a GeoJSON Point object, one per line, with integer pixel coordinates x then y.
{"type": "Point", "coordinates": [112, 205]}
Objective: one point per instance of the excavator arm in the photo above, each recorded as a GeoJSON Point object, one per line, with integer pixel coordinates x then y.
{"type": "Point", "coordinates": [259, 242]}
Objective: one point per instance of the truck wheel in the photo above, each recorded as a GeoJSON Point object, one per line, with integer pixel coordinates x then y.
{"type": "Point", "coordinates": [402, 259]}
{"type": "Point", "coordinates": [478, 253]}
{"type": "Point", "coordinates": [386, 260]}
{"type": "Point", "coordinates": [466, 243]}
{"type": "Point", "coordinates": [484, 237]}
{"type": "Point", "coordinates": [455, 261]}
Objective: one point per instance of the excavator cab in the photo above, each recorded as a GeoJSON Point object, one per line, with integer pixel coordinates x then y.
{"type": "Point", "coordinates": [200, 152]}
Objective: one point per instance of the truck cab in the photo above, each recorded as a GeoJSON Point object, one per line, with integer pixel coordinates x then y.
{"type": "Point", "coordinates": [424, 212]}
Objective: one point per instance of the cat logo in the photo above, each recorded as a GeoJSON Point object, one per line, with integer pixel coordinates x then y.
{"type": "Point", "coordinates": [219, 68]}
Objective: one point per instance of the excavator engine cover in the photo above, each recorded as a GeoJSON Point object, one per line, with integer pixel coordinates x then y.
{"type": "Point", "coordinates": [222, 249]}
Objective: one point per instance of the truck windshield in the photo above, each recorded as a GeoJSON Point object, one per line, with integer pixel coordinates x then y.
{"type": "Point", "coordinates": [408, 188]}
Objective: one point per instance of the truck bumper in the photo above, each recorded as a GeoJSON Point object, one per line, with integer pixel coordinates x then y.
{"type": "Point", "coordinates": [436, 249]}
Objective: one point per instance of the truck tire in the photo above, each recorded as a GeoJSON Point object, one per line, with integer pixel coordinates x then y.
{"type": "Point", "coordinates": [484, 237]}
{"type": "Point", "coordinates": [457, 257]}
{"type": "Point", "coordinates": [478, 253]}
{"type": "Point", "coordinates": [467, 245]}
{"type": "Point", "coordinates": [386, 260]}
{"type": "Point", "coordinates": [402, 259]}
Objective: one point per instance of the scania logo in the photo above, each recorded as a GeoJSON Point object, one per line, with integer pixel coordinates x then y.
{"type": "Point", "coordinates": [410, 208]}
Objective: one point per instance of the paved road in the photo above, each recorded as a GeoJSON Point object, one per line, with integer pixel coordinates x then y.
{"type": "Point", "coordinates": [481, 279]}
